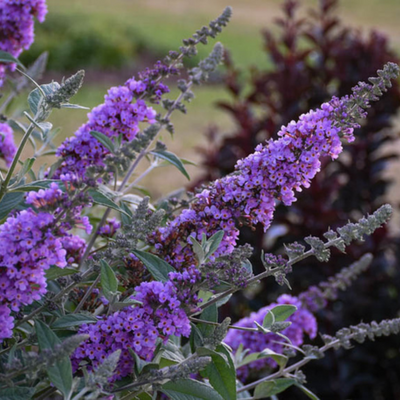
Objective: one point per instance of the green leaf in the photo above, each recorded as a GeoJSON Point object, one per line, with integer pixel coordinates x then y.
{"type": "Point", "coordinates": [278, 314]}
{"type": "Point", "coordinates": [74, 106]}
{"type": "Point", "coordinates": [171, 158]}
{"type": "Point", "coordinates": [56, 272]}
{"type": "Point", "coordinates": [45, 127]}
{"type": "Point", "coordinates": [108, 280]}
{"type": "Point", "coordinates": [222, 374]}
{"type": "Point", "coordinates": [197, 249]}
{"type": "Point", "coordinates": [283, 312]}
{"type": "Point", "coordinates": [60, 374]}
{"type": "Point", "coordinates": [142, 365]}
{"type": "Point", "coordinates": [104, 140]}
{"type": "Point", "coordinates": [127, 303]}
{"type": "Point", "coordinates": [307, 392]}
{"type": "Point", "coordinates": [189, 389]}
{"type": "Point", "coordinates": [271, 388]}
{"type": "Point", "coordinates": [35, 97]}
{"type": "Point", "coordinates": [209, 314]}
{"type": "Point", "coordinates": [155, 265]}
{"type": "Point", "coordinates": [214, 242]}
{"type": "Point", "coordinates": [103, 200]}
{"type": "Point", "coordinates": [26, 166]}
{"type": "Point", "coordinates": [124, 215]}
{"type": "Point", "coordinates": [72, 320]}
{"type": "Point", "coordinates": [8, 58]}
{"type": "Point", "coordinates": [280, 359]}
{"type": "Point", "coordinates": [196, 339]}
{"type": "Point", "coordinates": [9, 202]}
{"type": "Point", "coordinates": [17, 393]}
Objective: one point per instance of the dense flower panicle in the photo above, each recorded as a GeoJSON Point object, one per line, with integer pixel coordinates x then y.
{"type": "Point", "coordinates": [7, 146]}
{"type": "Point", "coordinates": [159, 316]}
{"type": "Point", "coordinates": [28, 248]}
{"type": "Point", "coordinates": [33, 240]}
{"type": "Point", "coordinates": [303, 322]}
{"type": "Point", "coordinates": [16, 26]}
{"type": "Point", "coordinates": [273, 172]}
{"type": "Point", "coordinates": [120, 114]}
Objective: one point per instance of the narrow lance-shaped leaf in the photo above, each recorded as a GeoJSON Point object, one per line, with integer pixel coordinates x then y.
{"type": "Point", "coordinates": [104, 140]}
{"type": "Point", "coordinates": [171, 158]}
{"type": "Point", "coordinates": [60, 374]}
{"type": "Point", "coordinates": [72, 320]}
{"type": "Point", "coordinates": [9, 59]}
{"type": "Point", "coordinates": [108, 280]}
{"type": "Point", "coordinates": [156, 266]}
{"type": "Point", "coordinates": [103, 200]}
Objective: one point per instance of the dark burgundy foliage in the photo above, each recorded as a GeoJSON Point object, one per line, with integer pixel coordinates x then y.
{"type": "Point", "coordinates": [311, 59]}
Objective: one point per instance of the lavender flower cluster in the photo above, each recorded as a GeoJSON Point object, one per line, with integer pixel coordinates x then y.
{"type": "Point", "coordinates": [303, 322]}
{"type": "Point", "coordinates": [121, 113]}
{"type": "Point", "coordinates": [32, 241]}
{"type": "Point", "coordinates": [16, 26]}
{"type": "Point", "coordinates": [7, 146]}
{"type": "Point", "coordinates": [159, 316]}
{"type": "Point", "coordinates": [273, 172]}
{"type": "Point", "coordinates": [29, 247]}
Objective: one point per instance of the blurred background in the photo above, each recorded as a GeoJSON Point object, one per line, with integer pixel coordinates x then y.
{"type": "Point", "coordinates": [273, 73]}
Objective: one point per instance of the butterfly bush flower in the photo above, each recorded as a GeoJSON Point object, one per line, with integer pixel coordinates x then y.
{"type": "Point", "coordinates": [303, 322]}
{"type": "Point", "coordinates": [32, 241]}
{"type": "Point", "coordinates": [159, 316]}
{"type": "Point", "coordinates": [7, 146]}
{"type": "Point", "coordinates": [28, 248]}
{"type": "Point", "coordinates": [16, 26]}
{"type": "Point", "coordinates": [274, 172]}
{"type": "Point", "coordinates": [121, 113]}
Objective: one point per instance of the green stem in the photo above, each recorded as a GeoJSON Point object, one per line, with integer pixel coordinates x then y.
{"type": "Point", "coordinates": [239, 328]}
{"type": "Point", "coordinates": [14, 163]}
{"type": "Point", "coordinates": [266, 274]}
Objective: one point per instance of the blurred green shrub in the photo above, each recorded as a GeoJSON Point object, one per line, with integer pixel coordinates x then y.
{"type": "Point", "coordinates": [82, 41]}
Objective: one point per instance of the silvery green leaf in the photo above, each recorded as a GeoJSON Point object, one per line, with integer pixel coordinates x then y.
{"type": "Point", "coordinates": [72, 320]}
{"type": "Point", "coordinates": [36, 99]}
{"type": "Point", "coordinates": [197, 249]}
{"type": "Point", "coordinates": [155, 265]}
{"type": "Point", "coordinates": [307, 392]}
{"type": "Point", "coordinates": [74, 106]}
{"type": "Point", "coordinates": [271, 388]}
{"type": "Point", "coordinates": [104, 140]}
{"type": "Point", "coordinates": [45, 127]}
{"type": "Point", "coordinates": [171, 158]}
{"type": "Point", "coordinates": [189, 389]}
{"type": "Point", "coordinates": [214, 242]}
{"type": "Point", "coordinates": [60, 374]}
{"type": "Point", "coordinates": [103, 200]}
{"type": "Point", "coordinates": [108, 280]}
{"type": "Point", "coordinates": [280, 359]}
{"type": "Point", "coordinates": [9, 59]}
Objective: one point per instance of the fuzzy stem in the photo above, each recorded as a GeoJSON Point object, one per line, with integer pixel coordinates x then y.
{"type": "Point", "coordinates": [14, 163]}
